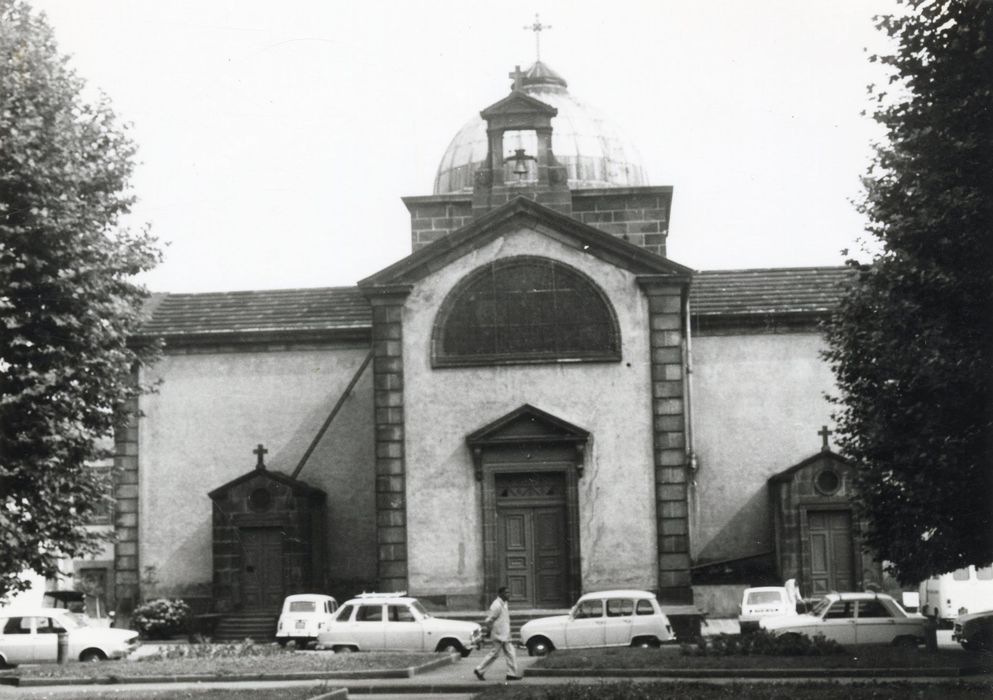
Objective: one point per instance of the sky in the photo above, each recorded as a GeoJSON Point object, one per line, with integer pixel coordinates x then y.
{"type": "Point", "coordinates": [276, 139]}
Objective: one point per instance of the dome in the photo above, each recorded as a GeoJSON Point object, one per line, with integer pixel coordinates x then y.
{"type": "Point", "coordinates": [590, 147]}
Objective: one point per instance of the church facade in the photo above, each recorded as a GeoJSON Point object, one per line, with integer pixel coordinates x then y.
{"type": "Point", "coordinates": [535, 396]}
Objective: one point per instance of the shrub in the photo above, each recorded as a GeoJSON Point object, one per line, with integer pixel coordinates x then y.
{"type": "Point", "coordinates": [762, 643]}
{"type": "Point", "coordinates": [161, 618]}
{"type": "Point", "coordinates": [247, 648]}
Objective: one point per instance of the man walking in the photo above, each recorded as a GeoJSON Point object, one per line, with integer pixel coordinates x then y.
{"type": "Point", "coordinates": [498, 622]}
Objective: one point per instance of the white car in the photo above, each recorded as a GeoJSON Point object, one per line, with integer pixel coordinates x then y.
{"type": "Point", "coordinates": [853, 618]}
{"type": "Point", "coordinates": [304, 616]}
{"type": "Point", "coordinates": [395, 621]}
{"type": "Point", "coordinates": [603, 619]}
{"type": "Point", "coordinates": [764, 601]}
{"type": "Point", "coordinates": [30, 636]}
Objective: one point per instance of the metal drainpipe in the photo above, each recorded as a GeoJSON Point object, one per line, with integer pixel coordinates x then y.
{"type": "Point", "coordinates": [691, 458]}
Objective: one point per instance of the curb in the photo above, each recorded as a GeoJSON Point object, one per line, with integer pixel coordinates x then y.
{"type": "Point", "coordinates": [338, 694]}
{"type": "Point", "coordinates": [399, 673]}
{"type": "Point", "coordinates": [948, 672]}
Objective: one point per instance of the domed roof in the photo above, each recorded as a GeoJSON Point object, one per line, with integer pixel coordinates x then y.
{"type": "Point", "coordinates": [586, 143]}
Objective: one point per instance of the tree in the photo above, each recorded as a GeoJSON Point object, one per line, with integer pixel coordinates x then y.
{"type": "Point", "coordinates": [68, 302]}
{"type": "Point", "coordinates": [910, 344]}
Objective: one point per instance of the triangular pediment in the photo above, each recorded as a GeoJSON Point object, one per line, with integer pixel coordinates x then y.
{"type": "Point", "coordinates": [819, 460]}
{"type": "Point", "coordinates": [518, 102]}
{"type": "Point", "coordinates": [522, 212]}
{"type": "Point", "coordinates": [262, 477]}
{"type": "Point", "coordinates": [527, 424]}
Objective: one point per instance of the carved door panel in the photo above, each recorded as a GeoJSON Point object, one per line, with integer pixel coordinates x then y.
{"type": "Point", "coordinates": [533, 555]}
{"type": "Point", "coordinates": [831, 551]}
{"type": "Point", "coordinates": [262, 568]}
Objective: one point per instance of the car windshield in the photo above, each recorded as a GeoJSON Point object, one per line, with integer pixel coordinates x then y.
{"type": "Point", "coordinates": [820, 606]}
{"type": "Point", "coordinates": [764, 597]}
{"type": "Point", "coordinates": [416, 605]}
{"type": "Point", "coordinates": [303, 606]}
{"type": "Point", "coordinates": [73, 621]}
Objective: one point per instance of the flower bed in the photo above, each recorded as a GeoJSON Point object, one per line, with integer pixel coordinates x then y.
{"type": "Point", "coordinates": [857, 657]}
{"type": "Point", "coordinates": [229, 660]}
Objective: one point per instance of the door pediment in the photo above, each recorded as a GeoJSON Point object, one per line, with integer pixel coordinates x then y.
{"type": "Point", "coordinates": [528, 426]}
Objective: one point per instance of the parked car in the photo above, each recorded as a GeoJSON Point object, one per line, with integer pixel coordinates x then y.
{"type": "Point", "coordinates": [30, 635]}
{"type": "Point", "coordinates": [395, 621]}
{"type": "Point", "coordinates": [304, 616]}
{"type": "Point", "coordinates": [765, 601]}
{"type": "Point", "coordinates": [603, 619]}
{"type": "Point", "coordinates": [853, 618]}
{"type": "Point", "coordinates": [974, 631]}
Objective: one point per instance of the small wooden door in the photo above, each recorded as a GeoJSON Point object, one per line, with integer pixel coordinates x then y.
{"type": "Point", "coordinates": [262, 568]}
{"type": "Point", "coordinates": [831, 551]}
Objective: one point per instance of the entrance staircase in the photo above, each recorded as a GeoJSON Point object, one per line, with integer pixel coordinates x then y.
{"type": "Point", "coordinates": [236, 627]}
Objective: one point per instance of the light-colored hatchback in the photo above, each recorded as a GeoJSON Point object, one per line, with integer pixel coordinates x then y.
{"type": "Point", "coordinates": [602, 619]}
{"type": "Point", "coordinates": [393, 621]}
{"type": "Point", "coordinates": [305, 616]}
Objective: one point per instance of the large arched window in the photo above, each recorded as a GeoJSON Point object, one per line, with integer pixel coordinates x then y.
{"type": "Point", "coordinates": [525, 310]}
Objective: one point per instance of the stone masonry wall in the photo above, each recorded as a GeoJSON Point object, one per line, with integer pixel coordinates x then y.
{"type": "Point", "coordinates": [639, 215]}
{"type": "Point", "coordinates": [126, 570]}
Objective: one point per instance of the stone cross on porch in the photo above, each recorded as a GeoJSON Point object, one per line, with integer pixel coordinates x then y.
{"type": "Point", "coordinates": [824, 432]}
{"type": "Point", "coordinates": [518, 75]}
{"type": "Point", "coordinates": [260, 451]}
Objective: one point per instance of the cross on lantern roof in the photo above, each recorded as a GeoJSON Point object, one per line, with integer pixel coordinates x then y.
{"type": "Point", "coordinates": [537, 27]}
{"type": "Point", "coordinates": [261, 452]}
{"type": "Point", "coordinates": [824, 432]}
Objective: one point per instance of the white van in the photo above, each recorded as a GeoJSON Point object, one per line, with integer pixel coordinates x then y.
{"type": "Point", "coordinates": [966, 590]}
{"type": "Point", "coordinates": [304, 616]}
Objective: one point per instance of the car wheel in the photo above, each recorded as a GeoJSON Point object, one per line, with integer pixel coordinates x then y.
{"type": "Point", "coordinates": [646, 643]}
{"type": "Point", "coordinates": [92, 655]}
{"type": "Point", "coordinates": [539, 646]}
{"type": "Point", "coordinates": [281, 641]}
{"type": "Point", "coordinates": [343, 649]}
{"type": "Point", "coordinates": [452, 646]}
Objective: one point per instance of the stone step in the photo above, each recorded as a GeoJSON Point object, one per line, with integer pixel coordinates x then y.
{"type": "Point", "coordinates": [240, 626]}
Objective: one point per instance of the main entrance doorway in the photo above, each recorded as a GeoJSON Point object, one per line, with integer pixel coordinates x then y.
{"type": "Point", "coordinates": [831, 551]}
{"type": "Point", "coordinates": [532, 545]}
{"type": "Point", "coordinates": [262, 568]}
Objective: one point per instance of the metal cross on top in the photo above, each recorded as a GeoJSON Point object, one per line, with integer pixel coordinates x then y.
{"type": "Point", "coordinates": [537, 27]}
{"type": "Point", "coordinates": [261, 452]}
{"type": "Point", "coordinates": [824, 432]}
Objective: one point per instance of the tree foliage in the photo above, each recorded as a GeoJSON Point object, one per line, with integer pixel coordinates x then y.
{"type": "Point", "coordinates": [910, 345]}
{"type": "Point", "coordinates": [68, 301]}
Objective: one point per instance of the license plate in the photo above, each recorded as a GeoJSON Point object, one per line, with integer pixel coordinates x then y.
{"type": "Point", "coordinates": [301, 624]}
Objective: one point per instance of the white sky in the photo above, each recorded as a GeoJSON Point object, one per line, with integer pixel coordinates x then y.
{"type": "Point", "coordinates": [276, 138]}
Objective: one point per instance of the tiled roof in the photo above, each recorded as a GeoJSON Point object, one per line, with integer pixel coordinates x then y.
{"type": "Point", "coordinates": [267, 311]}
{"type": "Point", "coordinates": [325, 309]}
{"type": "Point", "coordinates": [788, 290]}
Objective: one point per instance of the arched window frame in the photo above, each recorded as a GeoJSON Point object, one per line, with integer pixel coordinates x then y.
{"type": "Point", "coordinates": [610, 353]}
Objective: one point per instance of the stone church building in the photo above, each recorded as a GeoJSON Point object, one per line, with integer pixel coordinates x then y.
{"type": "Point", "coordinates": [535, 395]}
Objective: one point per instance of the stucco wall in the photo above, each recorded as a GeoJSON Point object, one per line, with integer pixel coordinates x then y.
{"type": "Point", "coordinates": [199, 431]}
{"type": "Point", "coordinates": [611, 400]}
{"type": "Point", "coordinates": [758, 402]}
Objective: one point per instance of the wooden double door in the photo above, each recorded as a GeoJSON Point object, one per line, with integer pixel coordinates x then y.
{"type": "Point", "coordinates": [832, 551]}
{"type": "Point", "coordinates": [262, 568]}
{"type": "Point", "coordinates": [532, 540]}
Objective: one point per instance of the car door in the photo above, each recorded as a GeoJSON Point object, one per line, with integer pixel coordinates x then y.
{"type": "Point", "coordinates": [838, 622]}
{"type": "Point", "coordinates": [46, 647]}
{"type": "Point", "coordinates": [403, 629]}
{"type": "Point", "coordinates": [586, 628]}
{"type": "Point", "coordinates": [368, 628]}
{"type": "Point", "coordinates": [618, 622]}
{"type": "Point", "coordinates": [877, 624]}
{"type": "Point", "coordinates": [17, 640]}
